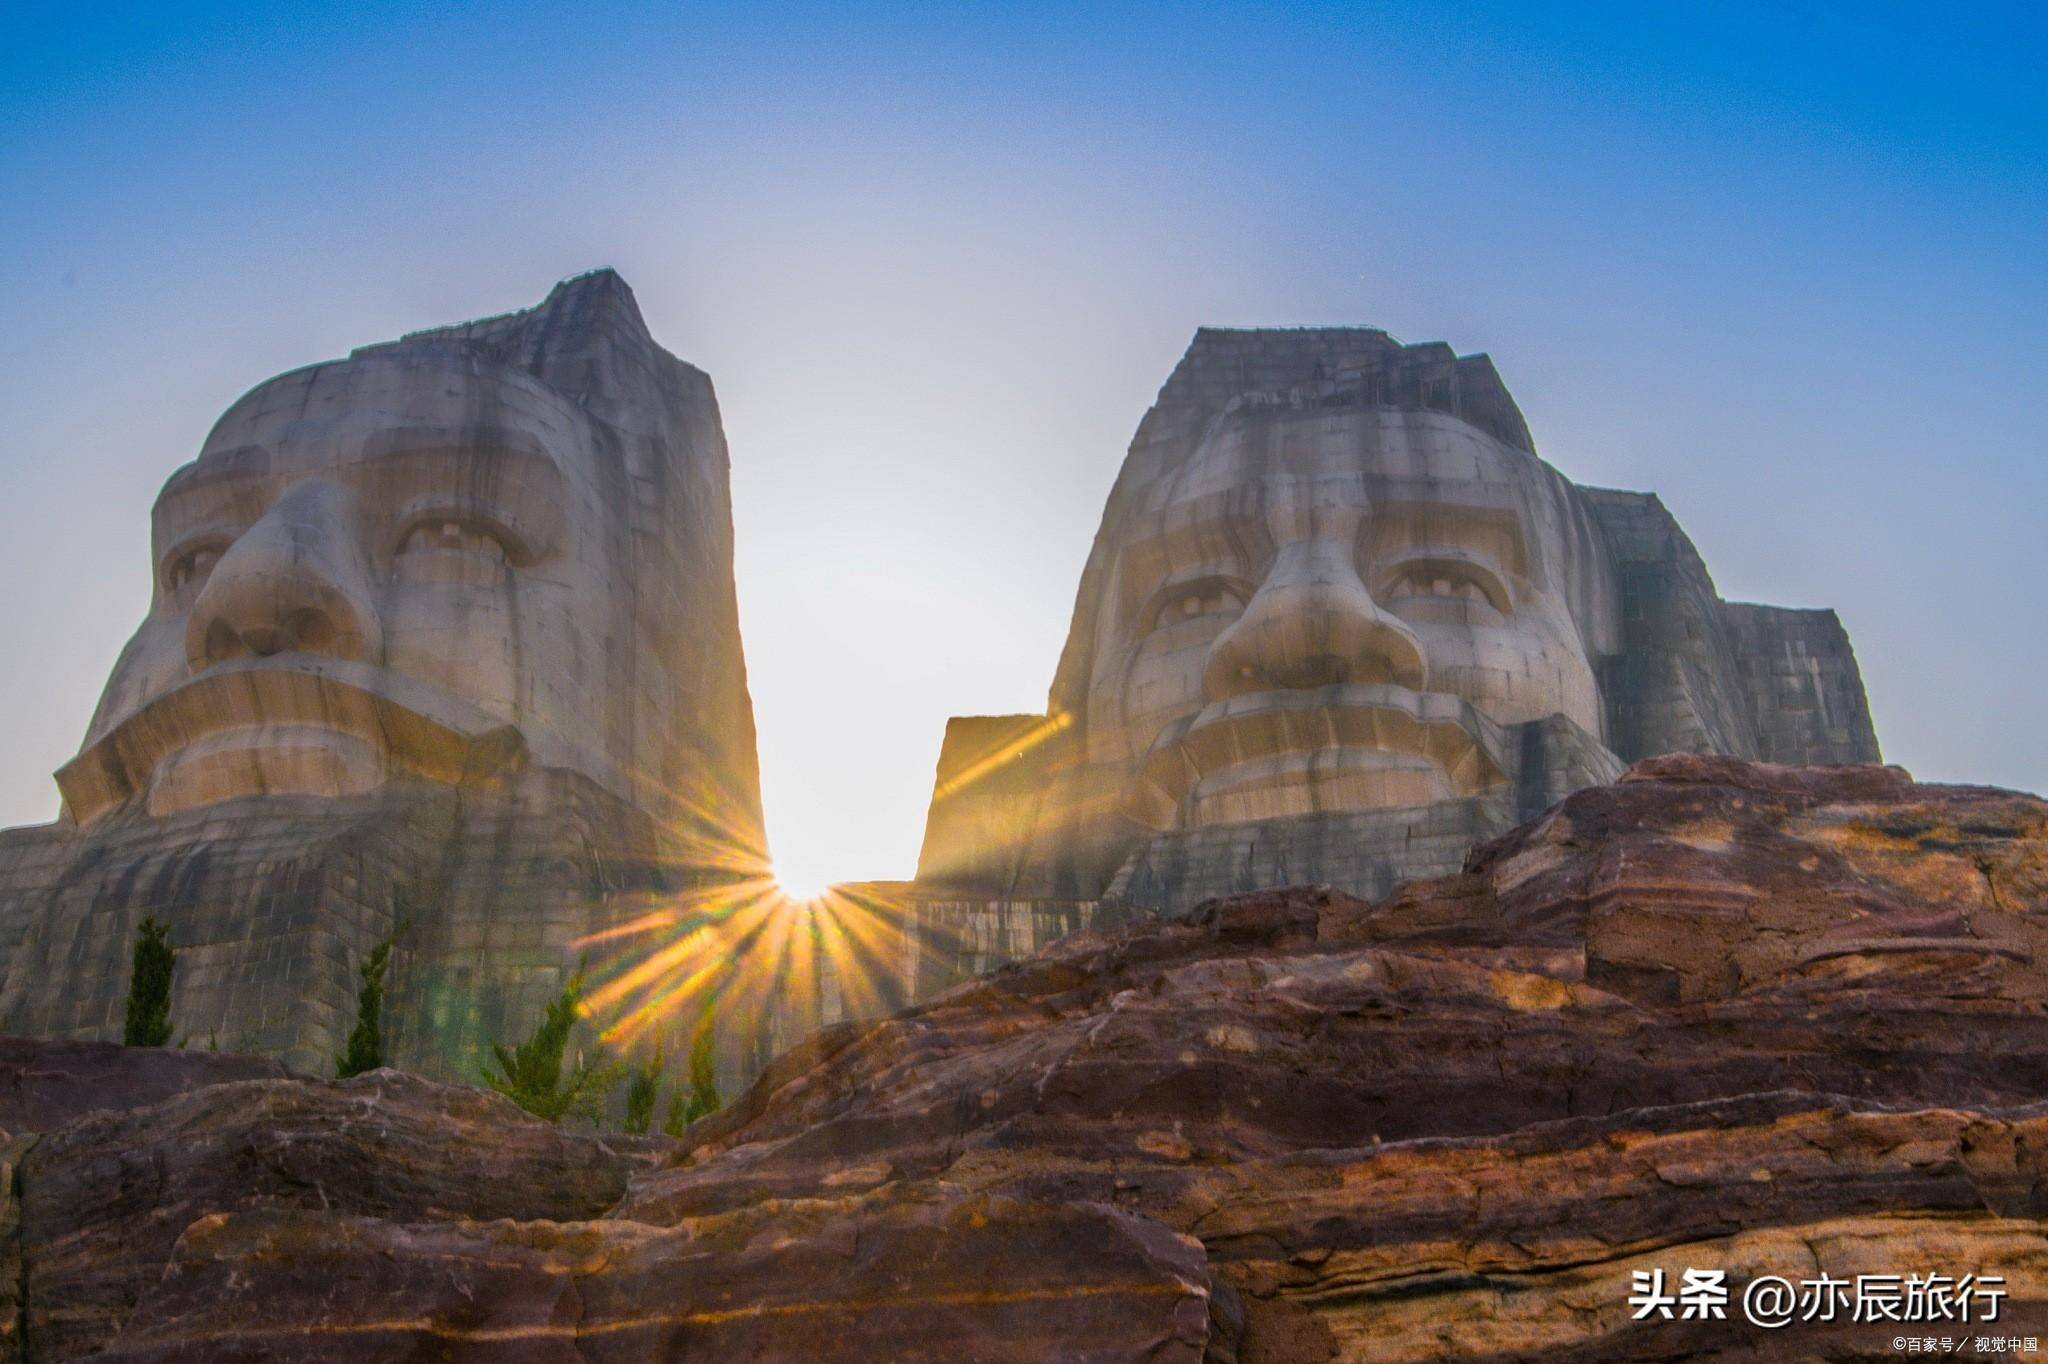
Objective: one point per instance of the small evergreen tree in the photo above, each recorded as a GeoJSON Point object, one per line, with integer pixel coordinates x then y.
{"type": "Point", "coordinates": [149, 987]}
{"type": "Point", "coordinates": [641, 1093]}
{"type": "Point", "coordinates": [700, 1098]}
{"type": "Point", "coordinates": [531, 1074]}
{"type": "Point", "coordinates": [704, 1099]}
{"type": "Point", "coordinates": [366, 1041]}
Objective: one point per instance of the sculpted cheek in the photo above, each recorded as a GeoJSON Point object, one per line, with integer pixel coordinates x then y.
{"type": "Point", "coordinates": [1165, 682]}
{"type": "Point", "coordinates": [1516, 668]}
{"type": "Point", "coordinates": [153, 662]}
{"type": "Point", "coordinates": [1515, 675]}
{"type": "Point", "coordinates": [458, 639]}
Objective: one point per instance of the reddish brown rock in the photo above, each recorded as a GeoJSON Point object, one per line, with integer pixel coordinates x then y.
{"type": "Point", "coordinates": [1733, 1016]}
{"type": "Point", "coordinates": [1698, 877]}
{"type": "Point", "coordinates": [45, 1083]}
{"type": "Point", "coordinates": [105, 1198]}
{"type": "Point", "coordinates": [902, 1276]}
{"type": "Point", "coordinates": [1763, 1020]}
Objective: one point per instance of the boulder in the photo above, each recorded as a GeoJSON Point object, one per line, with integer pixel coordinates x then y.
{"type": "Point", "coordinates": [46, 1082]}
{"type": "Point", "coordinates": [106, 1198]}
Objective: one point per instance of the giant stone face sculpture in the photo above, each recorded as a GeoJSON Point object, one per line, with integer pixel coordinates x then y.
{"type": "Point", "coordinates": [1339, 624]}
{"type": "Point", "coordinates": [1323, 611]}
{"type": "Point", "coordinates": [376, 567]}
{"type": "Point", "coordinates": [444, 637]}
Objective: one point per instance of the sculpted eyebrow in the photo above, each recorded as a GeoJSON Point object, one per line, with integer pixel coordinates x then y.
{"type": "Point", "coordinates": [197, 495]}
{"type": "Point", "coordinates": [523, 491]}
{"type": "Point", "coordinates": [481, 459]}
{"type": "Point", "coordinates": [1218, 532]}
{"type": "Point", "coordinates": [522, 486]}
{"type": "Point", "coordinates": [1439, 522]}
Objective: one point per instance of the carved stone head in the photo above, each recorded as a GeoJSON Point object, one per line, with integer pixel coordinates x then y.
{"type": "Point", "coordinates": [1318, 602]}
{"type": "Point", "coordinates": [428, 560]}
{"type": "Point", "coordinates": [1340, 611]}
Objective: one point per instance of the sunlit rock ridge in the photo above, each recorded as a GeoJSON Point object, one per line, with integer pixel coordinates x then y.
{"type": "Point", "coordinates": [443, 640]}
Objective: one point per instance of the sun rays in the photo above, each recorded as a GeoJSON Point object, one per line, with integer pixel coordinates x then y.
{"type": "Point", "coordinates": [768, 962]}
{"type": "Point", "coordinates": [768, 951]}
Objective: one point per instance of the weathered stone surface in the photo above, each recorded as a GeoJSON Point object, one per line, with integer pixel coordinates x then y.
{"type": "Point", "coordinates": [880, 1277]}
{"type": "Point", "coordinates": [105, 1198]}
{"type": "Point", "coordinates": [444, 640]}
{"type": "Point", "coordinates": [1714, 877]}
{"type": "Point", "coordinates": [1718, 1015]}
{"type": "Point", "coordinates": [1339, 625]}
{"type": "Point", "coordinates": [46, 1083]}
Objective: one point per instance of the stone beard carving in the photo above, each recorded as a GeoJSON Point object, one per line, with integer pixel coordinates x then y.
{"type": "Point", "coordinates": [444, 631]}
{"type": "Point", "coordinates": [1339, 624]}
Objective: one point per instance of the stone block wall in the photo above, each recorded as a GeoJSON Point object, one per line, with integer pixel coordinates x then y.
{"type": "Point", "coordinates": [1804, 686]}
{"type": "Point", "coordinates": [274, 904]}
{"type": "Point", "coordinates": [272, 913]}
{"type": "Point", "coordinates": [1697, 674]}
{"type": "Point", "coordinates": [877, 946]}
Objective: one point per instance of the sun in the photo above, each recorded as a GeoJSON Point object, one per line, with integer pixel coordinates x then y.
{"type": "Point", "coordinates": [801, 885]}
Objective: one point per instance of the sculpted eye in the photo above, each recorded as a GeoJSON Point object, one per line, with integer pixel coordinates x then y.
{"type": "Point", "coordinates": [1192, 601]}
{"type": "Point", "coordinates": [451, 550]}
{"type": "Point", "coordinates": [186, 571]}
{"type": "Point", "coordinates": [464, 536]}
{"type": "Point", "coordinates": [1470, 591]}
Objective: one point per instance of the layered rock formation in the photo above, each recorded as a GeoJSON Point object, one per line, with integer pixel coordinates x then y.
{"type": "Point", "coordinates": [444, 643]}
{"type": "Point", "coordinates": [1340, 624]}
{"type": "Point", "coordinates": [1718, 1015]}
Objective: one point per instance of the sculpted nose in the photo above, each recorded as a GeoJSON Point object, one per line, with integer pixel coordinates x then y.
{"type": "Point", "coordinates": [1312, 623]}
{"type": "Point", "coordinates": [294, 581]}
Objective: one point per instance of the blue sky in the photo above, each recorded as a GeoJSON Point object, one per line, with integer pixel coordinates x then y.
{"type": "Point", "coordinates": [1783, 265]}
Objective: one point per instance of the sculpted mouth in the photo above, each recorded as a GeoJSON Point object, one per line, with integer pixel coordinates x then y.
{"type": "Point", "coordinates": [1274, 754]}
{"type": "Point", "coordinates": [292, 724]}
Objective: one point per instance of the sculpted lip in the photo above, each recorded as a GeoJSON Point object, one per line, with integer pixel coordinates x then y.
{"type": "Point", "coordinates": [332, 726]}
{"type": "Point", "coordinates": [1335, 747]}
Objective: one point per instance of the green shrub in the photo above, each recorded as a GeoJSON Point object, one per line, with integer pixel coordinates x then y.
{"type": "Point", "coordinates": [704, 1100]}
{"type": "Point", "coordinates": [149, 987]}
{"type": "Point", "coordinates": [700, 1099]}
{"type": "Point", "coordinates": [531, 1074]}
{"type": "Point", "coordinates": [366, 1041]}
{"type": "Point", "coordinates": [641, 1093]}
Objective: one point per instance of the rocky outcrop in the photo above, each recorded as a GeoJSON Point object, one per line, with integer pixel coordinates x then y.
{"type": "Point", "coordinates": [106, 1199]}
{"type": "Point", "coordinates": [883, 1277]}
{"type": "Point", "coordinates": [45, 1083]}
{"type": "Point", "coordinates": [1717, 1015]}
